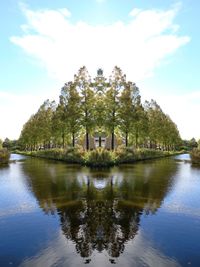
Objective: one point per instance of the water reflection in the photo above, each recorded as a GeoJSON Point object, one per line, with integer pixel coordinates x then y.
{"type": "Point", "coordinates": [100, 211]}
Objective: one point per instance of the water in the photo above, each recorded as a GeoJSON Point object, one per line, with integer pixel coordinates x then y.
{"type": "Point", "coordinates": [53, 214]}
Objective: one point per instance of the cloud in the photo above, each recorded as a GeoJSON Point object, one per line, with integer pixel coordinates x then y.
{"type": "Point", "coordinates": [138, 46]}
{"type": "Point", "coordinates": [62, 47]}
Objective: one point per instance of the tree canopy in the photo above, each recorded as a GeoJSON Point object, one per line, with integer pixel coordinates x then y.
{"type": "Point", "coordinates": [100, 106]}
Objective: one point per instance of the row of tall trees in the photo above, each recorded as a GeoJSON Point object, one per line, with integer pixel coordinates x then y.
{"type": "Point", "coordinates": [102, 107]}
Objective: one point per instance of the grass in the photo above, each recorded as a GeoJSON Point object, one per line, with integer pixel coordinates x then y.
{"type": "Point", "coordinates": [68, 155]}
{"type": "Point", "coordinates": [4, 156]}
{"type": "Point", "coordinates": [129, 155]}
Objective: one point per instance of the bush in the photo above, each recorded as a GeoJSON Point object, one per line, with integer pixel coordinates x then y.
{"type": "Point", "coordinates": [195, 156]}
{"type": "Point", "coordinates": [128, 155]}
{"type": "Point", "coordinates": [70, 155]}
{"type": "Point", "coordinates": [99, 158]}
{"type": "Point", "coordinates": [4, 156]}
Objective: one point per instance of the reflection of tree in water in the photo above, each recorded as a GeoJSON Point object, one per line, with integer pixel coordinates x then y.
{"type": "Point", "coordinates": [100, 210]}
{"type": "Point", "coordinates": [99, 223]}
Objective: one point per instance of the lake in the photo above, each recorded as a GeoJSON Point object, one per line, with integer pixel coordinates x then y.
{"type": "Point", "coordinates": [144, 214]}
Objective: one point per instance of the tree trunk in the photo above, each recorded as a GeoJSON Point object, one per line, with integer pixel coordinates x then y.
{"type": "Point", "coordinates": [73, 139]}
{"type": "Point", "coordinates": [87, 141]}
{"type": "Point", "coordinates": [136, 139]}
{"type": "Point", "coordinates": [99, 141]}
{"type": "Point", "coordinates": [63, 140]}
{"type": "Point", "coordinates": [126, 139]}
{"type": "Point", "coordinates": [113, 141]}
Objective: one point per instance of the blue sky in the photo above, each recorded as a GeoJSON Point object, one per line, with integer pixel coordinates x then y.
{"type": "Point", "coordinates": [43, 43]}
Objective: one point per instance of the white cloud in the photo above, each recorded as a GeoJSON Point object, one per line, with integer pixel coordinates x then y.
{"type": "Point", "coordinates": [135, 12]}
{"type": "Point", "coordinates": [138, 47]}
{"type": "Point", "coordinates": [62, 47]}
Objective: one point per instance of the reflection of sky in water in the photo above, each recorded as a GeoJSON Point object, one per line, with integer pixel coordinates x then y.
{"type": "Point", "coordinates": [17, 157]}
{"type": "Point", "coordinates": [100, 183]}
{"type": "Point", "coordinates": [184, 196]}
{"type": "Point", "coordinates": [137, 252]}
{"type": "Point", "coordinates": [183, 157]}
{"type": "Point", "coordinates": [17, 199]}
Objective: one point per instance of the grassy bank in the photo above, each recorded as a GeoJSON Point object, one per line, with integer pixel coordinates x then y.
{"type": "Point", "coordinates": [4, 156]}
{"type": "Point", "coordinates": [100, 157]}
{"type": "Point", "coordinates": [195, 156]}
{"type": "Point", "coordinates": [68, 155]}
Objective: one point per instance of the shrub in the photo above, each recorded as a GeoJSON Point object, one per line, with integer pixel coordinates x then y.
{"type": "Point", "coordinates": [4, 156]}
{"type": "Point", "coordinates": [195, 156]}
{"type": "Point", "coordinates": [99, 158]}
{"type": "Point", "coordinates": [70, 155]}
{"type": "Point", "coordinates": [128, 155]}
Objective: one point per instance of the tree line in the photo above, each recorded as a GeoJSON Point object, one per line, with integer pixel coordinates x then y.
{"type": "Point", "coordinates": [97, 107]}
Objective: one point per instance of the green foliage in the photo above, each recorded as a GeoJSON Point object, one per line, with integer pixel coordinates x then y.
{"type": "Point", "coordinates": [99, 158]}
{"type": "Point", "coordinates": [111, 108]}
{"type": "Point", "coordinates": [37, 131]}
{"type": "Point", "coordinates": [10, 145]}
{"type": "Point", "coordinates": [129, 103]}
{"type": "Point", "coordinates": [163, 132]}
{"type": "Point", "coordinates": [128, 155]}
{"type": "Point", "coordinates": [195, 156]}
{"type": "Point", "coordinates": [69, 155]}
{"type": "Point", "coordinates": [189, 145]}
{"type": "Point", "coordinates": [4, 156]}
{"type": "Point", "coordinates": [199, 144]}
{"type": "Point", "coordinates": [70, 107]}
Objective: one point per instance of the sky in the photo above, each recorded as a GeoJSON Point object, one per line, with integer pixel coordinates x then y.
{"type": "Point", "coordinates": [44, 43]}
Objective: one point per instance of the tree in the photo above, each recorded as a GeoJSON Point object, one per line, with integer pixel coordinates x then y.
{"type": "Point", "coordinates": [44, 123]}
{"type": "Point", "coordinates": [82, 82]}
{"type": "Point", "coordinates": [129, 102]}
{"type": "Point", "coordinates": [7, 143]}
{"type": "Point", "coordinates": [59, 123]}
{"type": "Point", "coordinates": [163, 133]}
{"type": "Point", "coordinates": [70, 96]}
{"type": "Point", "coordinates": [101, 107]}
{"type": "Point", "coordinates": [36, 132]}
{"type": "Point", "coordinates": [100, 85]}
{"type": "Point", "coordinates": [140, 125]}
{"type": "Point", "coordinates": [116, 85]}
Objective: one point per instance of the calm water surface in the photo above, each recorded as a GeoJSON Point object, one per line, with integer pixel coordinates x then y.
{"type": "Point", "coordinates": [53, 214]}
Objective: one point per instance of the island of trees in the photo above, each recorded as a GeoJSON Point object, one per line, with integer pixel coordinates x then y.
{"type": "Point", "coordinates": [99, 120]}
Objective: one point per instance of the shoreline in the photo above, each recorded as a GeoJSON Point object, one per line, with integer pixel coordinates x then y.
{"type": "Point", "coordinates": [101, 162]}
